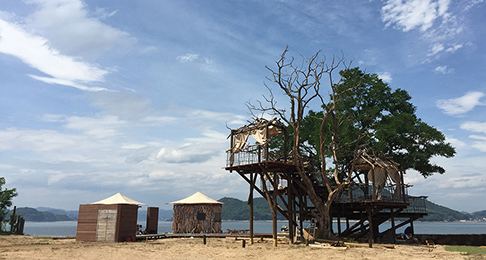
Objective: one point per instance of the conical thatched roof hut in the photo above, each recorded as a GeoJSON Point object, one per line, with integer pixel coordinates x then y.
{"type": "Point", "coordinates": [197, 214]}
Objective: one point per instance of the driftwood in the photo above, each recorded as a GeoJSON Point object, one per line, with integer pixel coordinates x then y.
{"type": "Point", "coordinates": [186, 218]}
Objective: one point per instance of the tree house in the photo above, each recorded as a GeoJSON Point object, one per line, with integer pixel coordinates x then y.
{"type": "Point", "coordinates": [377, 193]}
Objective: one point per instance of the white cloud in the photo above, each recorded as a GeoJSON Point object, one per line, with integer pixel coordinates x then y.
{"type": "Point", "coordinates": [410, 14]}
{"type": "Point", "coordinates": [463, 182]}
{"type": "Point", "coordinates": [454, 48]}
{"type": "Point", "coordinates": [205, 63]}
{"type": "Point", "coordinates": [455, 142]}
{"type": "Point", "coordinates": [61, 21]}
{"type": "Point", "coordinates": [97, 127]}
{"type": "Point", "coordinates": [13, 139]}
{"type": "Point", "coordinates": [64, 82]}
{"type": "Point", "coordinates": [188, 58]}
{"type": "Point", "coordinates": [443, 70]}
{"type": "Point", "coordinates": [477, 127]}
{"type": "Point", "coordinates": [460, 105]}
{"type": "Point", "coordinates": [436, 49]}
{"type": "Point", "coordinates": [35, 52]}
{"type": "Point", "coordinates": [385, 76]}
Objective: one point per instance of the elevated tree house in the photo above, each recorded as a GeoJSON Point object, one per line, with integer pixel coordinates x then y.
{"type": "Point", "coordinates": [376, 194]}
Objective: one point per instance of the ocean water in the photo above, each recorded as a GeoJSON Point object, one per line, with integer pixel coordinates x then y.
{"type": "Point", "coordinates": [68, 228]}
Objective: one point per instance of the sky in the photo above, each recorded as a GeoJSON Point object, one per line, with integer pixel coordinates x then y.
{"type": "Point", "coordinates": [137, 97]}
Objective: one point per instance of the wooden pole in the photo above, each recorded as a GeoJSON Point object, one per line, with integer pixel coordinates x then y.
{"type": "Point", "coordinates": [411, 225]}
{"type": "Point", "coordinates": [339, 224]}
{"type": "Point", "coordinates": [393, 224]}
{"type": "Point", "coordinates": [370, 227]}
{"type": "Point", "coordinates": [301, 213]}
{"type": "Point", "coordinates": [404, 198]}
{"type": "Point", "coordinates": [252, 186]}
{"type": "Point", "coordinates": [274, 211]}
{"type": "Point", "coordinates": [12, 223]}
{"type": "Point", "coordinates": [373, 188]}
{"type": "Point", "coordinates": [291, 203]}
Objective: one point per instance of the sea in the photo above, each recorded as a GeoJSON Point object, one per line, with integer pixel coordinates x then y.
{"type": "Point", "coordinates": [68, 228]}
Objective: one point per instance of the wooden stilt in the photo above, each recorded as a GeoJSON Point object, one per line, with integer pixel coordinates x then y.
{"type": "Point", "coordinates": [411, 225]}
{"type": "Point", "coordinates": [393, 229]}
{"type": "Point", "coordinates": [339, 224]}
{"type": "Point", "coordinates": [252, 186]}
{"type": "Point", "coordinates": [274, 211]}
{"type": "Point", "coordinates": [290, 196]}
{"type": "Point", "coordinates": [370, 228]}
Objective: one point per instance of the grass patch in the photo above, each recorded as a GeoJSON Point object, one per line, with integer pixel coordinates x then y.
{"type": "Point", "coordinates": [467, 250]}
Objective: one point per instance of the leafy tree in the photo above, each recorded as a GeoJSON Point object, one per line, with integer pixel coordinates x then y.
{"type": "Point", "coordinates": [389, 119]}
{"type": "Point", "coordinates": [362, 112]}
{"type": "Point", "coordinates": [6, 196]}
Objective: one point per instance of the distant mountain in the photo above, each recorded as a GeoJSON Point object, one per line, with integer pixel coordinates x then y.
{"type": "Point", "coordinates": [479, 215]}
{"type": "Point", "coordinates": [235, 209]}
{"type": "Point", "coordinates": [31, 214]}
{"type": "Point", "coordinates": [70, 213]}
{"type": "Point", "coordinates": [440, 213]}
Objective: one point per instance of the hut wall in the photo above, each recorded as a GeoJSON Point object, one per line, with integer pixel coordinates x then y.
{"type": "Point", "coordinates": [188, 218]}
{"type": "Point", "coordinates": [96, 222]}
{"type": "Point", "coordinates": [152, 220]}
{"type": "Point", "coordinates": [127, 221]}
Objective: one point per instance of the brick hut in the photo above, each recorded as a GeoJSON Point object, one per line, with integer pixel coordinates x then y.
{"type": "Point", "coordinates": [113, 219]}
{"type": "Point", "coordinates": [197, 214]}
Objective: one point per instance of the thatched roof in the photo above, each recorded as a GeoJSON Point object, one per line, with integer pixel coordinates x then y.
{"type": "Point", "coordinates": [118, 199]}
{"type": "Point", "coordinates": [197, 198]}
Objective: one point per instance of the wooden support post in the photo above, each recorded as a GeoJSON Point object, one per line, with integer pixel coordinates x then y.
{"type": "Point", "coordinates": [404, 198]}
{"type": "Point", "coordinates": [411, 225]}
{"type": "Point", "coordinates": [330, 222]}
{"type": "Point", "coordinates": [274, 211]}
{"type": "Point", "coordinates": [291, 203]}
{"type": "Point", "coordinates": [347, 222]}
{"type": "Point", "coordinates": [266, 144]}
{"type": "Point", "coordinates": [204, 239]}
{"type": "Point", "coordinates": [243, 243]}
{"type": "Point", "coordinates": [339, 223]}
{"type": "Point", "coordinates": [362, 228]}
{"type": "Point", "coordinates": [301, 213]}
{"type": "Point", "coordinates": [393, 229]}
{"type": "Point", "coordinates": [373, 188]}
{"type": "Point", "coordinates": [367, 186]}
{"type": "Point", "coordinates": [252, 186]}
{"type": "Point", "coordinates": [12, 224]}
{"type": "Point", "coordinates": [370, 227]}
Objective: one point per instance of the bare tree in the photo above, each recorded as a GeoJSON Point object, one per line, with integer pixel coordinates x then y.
{"type": "Point", "coordinates": [302, 85]}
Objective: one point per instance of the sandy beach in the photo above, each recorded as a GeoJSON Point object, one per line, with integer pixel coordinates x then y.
{"type": "Point", "coordinates": [29, 247]}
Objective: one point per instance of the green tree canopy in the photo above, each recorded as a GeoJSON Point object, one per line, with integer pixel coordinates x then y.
{"type": "Point", "coordinates": [6, 196]}
{"type": "Point", "coordinates": [388, 118]}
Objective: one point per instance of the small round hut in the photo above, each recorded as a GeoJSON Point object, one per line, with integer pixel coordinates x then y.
{"type": "Point", "coordinates": [197, 214]}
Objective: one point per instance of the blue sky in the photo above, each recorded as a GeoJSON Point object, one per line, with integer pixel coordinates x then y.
{"type": "Point", "coordinates": [100, 97]}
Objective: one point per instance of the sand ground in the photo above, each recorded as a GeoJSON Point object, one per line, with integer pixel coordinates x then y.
{"type": "Point", "coordinates": [29, 247]}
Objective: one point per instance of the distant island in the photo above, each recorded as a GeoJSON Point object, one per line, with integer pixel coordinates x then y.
{"type": "Point", "coordinates": [238, 210]}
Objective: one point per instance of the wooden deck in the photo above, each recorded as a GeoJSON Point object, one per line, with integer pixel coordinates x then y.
{"type": "Point", "coordinates": [210, 235]}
